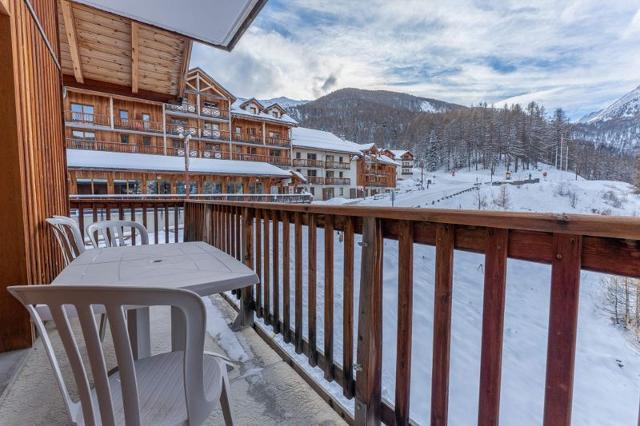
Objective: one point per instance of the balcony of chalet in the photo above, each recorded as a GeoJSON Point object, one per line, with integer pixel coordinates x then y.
{"type": "Point", "coordinates": [314, 352]}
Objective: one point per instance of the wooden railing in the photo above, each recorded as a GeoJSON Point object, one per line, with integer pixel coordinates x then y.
{"type": "Point", "coordinates": [252, 232]}
{"type": "Point", "coordinates": [86, 119]}
{"type": "Point", "coordinates": [337, 165]}
{"type": "Point", "coordinates": [162, 217]}
{"type": "Point", "coordinates": [303, 162]}
{"type": "Point", "coordinates": [90, 144]}
{"type": "Point", "coordinates": [139, 125]}
{"type": "Point", "coordinates": [337, 181]}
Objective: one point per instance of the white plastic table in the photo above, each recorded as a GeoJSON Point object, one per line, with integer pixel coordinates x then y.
{"type": "Point", "coordinates": [194, 266]}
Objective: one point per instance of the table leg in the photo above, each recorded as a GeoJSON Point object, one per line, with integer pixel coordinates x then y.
{"type": "Point", "coordinates": [139, 326]}
{"type": "Point", "coordinates": [247, 309]}
{"type": "Point", "coordinates": [178, 328]}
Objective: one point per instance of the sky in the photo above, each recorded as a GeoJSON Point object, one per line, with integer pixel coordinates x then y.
{"type": "Point", "coordinates": [580, 55]}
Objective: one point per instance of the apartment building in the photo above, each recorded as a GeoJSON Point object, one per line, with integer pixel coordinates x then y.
{"type": "Point", "coordinates": [376, 172]}
{"type": "Point", "coordinates": [232, 145]}
{"type": "Point", "coordinates": [327, 162]}
{"type": "Point", "coordinates": [404, 158]}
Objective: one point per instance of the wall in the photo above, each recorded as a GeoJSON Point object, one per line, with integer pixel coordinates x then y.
{"type": "Point", "coordinates": [32, 159]}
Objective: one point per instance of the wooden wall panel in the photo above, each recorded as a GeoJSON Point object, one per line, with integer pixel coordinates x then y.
{"type": "Point", "coordinates": [31, 158]}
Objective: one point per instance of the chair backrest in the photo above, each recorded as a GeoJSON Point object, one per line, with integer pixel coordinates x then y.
{"type": "Point", "coordinates": [116, 301]}
{"type": "Point", "coordinates": [69, 238]}
{"type": "Point", "coordinates": [112, 232]}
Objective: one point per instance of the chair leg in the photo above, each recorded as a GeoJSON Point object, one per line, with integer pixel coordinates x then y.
{"type": "Point", "coordinates": [225, 398]}
{"type": "Point", "coordinates": [103, 326]}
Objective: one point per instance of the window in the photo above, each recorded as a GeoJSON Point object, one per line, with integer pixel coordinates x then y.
{"type": "Point", "coordinates": [79, 134]}
{"type": "Point", "coordinates": [312, 173]}
{"type": "Point", "coordinates": [298, 155]}
{"type": "Point", "coordinates": [341, 191]}
{"type": "Point", "coordinates": [124, 138]}
{"type": "Point", "coordinates": [146, 140]}
{"type": "Point", "coordinates": [211, 126]}
{"type": "Point", "coordinates": [238, 131]}
{"type": "Point", "coordinates": [123, 114]}
{"type": "Point", "coordinates": [341, 174]}
{"type": "Point", "coordinates": [82, 112]}
{"type": "Point", "coordinates": [274, 153]}
{"type": "Point", "coordinates": [275, 113]}
{"type": "Point", "coordinates": [329, 174]}
{"type": "Point", "coordinates": [253, 110]}
{"type": "Point", "coordinates": [210, 104]}
{"type": "Point", "coordinates": [311, 156]}
{"type": "Point", "coordinates": [146, 120]}
{"type": "Point", "coordinates": [329, 158]}
{"type": "Point", "coordinates": [252, 131]}
{"type": "Point", "coordinates": [339, 159]}
{"type": "Point", "coordinates": [312, 190]}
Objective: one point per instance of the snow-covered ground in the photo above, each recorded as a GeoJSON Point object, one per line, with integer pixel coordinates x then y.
{"type": "Point", "coordinates": [607, 373]}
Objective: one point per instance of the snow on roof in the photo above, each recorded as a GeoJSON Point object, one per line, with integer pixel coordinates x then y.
{"type": "Point", "coordinates": [299, 176]}
{"type": "Point", "coordinates": [398, 152]}
{"type": "Point", "coordinates": [237, 110]}
{"type": "Point", "coordinates": [386, 160]}
{"type": "Point", "coordinates": [126, 161]}
{"type": "Point", "coordinates": [366, 146]}
{"type": "Point", "coordinates": [303, 137]}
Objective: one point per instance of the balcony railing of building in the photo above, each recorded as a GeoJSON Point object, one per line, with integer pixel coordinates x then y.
{"type": "Point", "coordinates": [139, 125]}
{"type": "Point", "coordinates": [337, 165]}
{"type": "Point", "coordinates": [214, 134]}
{"type": "Point", "coordinates": [304, 162]}
{"type": "Point", "coordinates": [279, 161]}
{"type": "Point", "coordinates": [214, 112]}
{"type": "Point", "coordinates": [269, 238]}
{"type": "Point", "coordinates": [86, 119]}
{"type": "Point", "coordinates": [315, 180]}
{"type": "Point", "coordinates": [337, 181]}
{"type": "Point", "coordinates": [277, 141]}
{"type": "Point", "coordinates": [182, 129]}
{"type": "Point", "coordinates": [185, 108]}
{"type": "Point", "coordinates": [377, 180]}
{"type": "Point", "coordinates": [245, 137]}
{"type": "Point", "coordinates": [95, 145]}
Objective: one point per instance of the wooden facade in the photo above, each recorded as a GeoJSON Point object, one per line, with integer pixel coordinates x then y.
{"type": "Point", "coordinates": [106, 121]}
{"type": "Point", "coordinates": [31, 156]}
{"type": "Point", "coordinates": [374, 174]}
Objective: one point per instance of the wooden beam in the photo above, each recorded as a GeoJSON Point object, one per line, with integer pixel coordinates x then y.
{"type": "Point", "coordinates": [135, 56]}
{"type": "Point", "coordinates": [70, 30]}
{"type": "Point", "coordinates": [184, 66]}
{"type": "Point", "coordinates": [116, 90]}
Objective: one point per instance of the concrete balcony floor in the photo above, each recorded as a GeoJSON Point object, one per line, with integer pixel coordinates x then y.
{"type": "Point", "coordinates": [264, 389]}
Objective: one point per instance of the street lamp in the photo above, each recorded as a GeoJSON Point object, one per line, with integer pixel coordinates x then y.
{"type": "Point", "coordinates": [186, 139]}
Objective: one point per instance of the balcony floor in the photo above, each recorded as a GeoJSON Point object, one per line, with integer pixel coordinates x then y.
{"type": "Point", "coordinates": [264, 389]}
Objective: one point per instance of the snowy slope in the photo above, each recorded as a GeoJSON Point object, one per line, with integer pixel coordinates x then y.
{"type": "Point", "coordinates": [627, 106]}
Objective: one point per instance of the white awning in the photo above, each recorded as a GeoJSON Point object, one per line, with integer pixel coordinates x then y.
{"type": "Point", "coordinates": [219, 23]}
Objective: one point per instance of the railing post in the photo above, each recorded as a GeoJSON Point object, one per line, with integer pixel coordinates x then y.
{"type": "Point", "coordinates": [247, 307]}
{"type": "Point", "coordinates": [369, 366]}
{"type": "Point", "coordinates": [563, 325]}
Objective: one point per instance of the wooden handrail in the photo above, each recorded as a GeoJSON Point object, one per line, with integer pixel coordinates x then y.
{"type": "Point", "coordinates": [569, 243]}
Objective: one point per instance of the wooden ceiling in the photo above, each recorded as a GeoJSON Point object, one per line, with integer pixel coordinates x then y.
{"type": "Point", "coordinates": [99, 47]}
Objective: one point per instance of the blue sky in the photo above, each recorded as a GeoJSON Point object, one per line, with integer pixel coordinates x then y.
{"type": "Point", "coordinates": [576, 54]}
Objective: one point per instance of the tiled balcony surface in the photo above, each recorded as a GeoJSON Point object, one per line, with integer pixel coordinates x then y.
{"type": "Point", "coordinates": [264, 389]}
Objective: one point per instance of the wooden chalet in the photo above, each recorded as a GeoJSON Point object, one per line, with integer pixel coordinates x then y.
{"type": "Point", "coordinates": [376, 172]}
{"type": "Point", "coordinates": [405, 160]}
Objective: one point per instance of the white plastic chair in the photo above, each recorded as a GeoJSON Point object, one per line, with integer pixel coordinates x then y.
{"type": "Point", "coordinates": [112, 232]}
{"type": "Point", "coordinates": [171, 388]}
{"type": "Point", "coordinates": [69, 238]}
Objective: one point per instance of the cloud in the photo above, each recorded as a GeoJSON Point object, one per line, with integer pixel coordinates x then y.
{"type": "Point", "coordinates": [575, 54]}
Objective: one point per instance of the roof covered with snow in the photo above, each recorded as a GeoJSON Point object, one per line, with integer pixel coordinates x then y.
{"type": "Point", "coordinates": [125, 161]}
{"type": "Point", "coordinates": [303, 137]}
{"type": "Point", "coordinates": [386, 160]}
{"type": "Point", "coordinates": [398, 153]}
{"type": "Point", "coordinates": [261, 114]}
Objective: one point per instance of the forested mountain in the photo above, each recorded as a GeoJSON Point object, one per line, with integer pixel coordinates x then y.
{"type": "Point", "coordinates": [366, 116]}
{"type": "Point", "coordinates": [453, 137]}
{"type": "Point", "coordinates": [618, 125]}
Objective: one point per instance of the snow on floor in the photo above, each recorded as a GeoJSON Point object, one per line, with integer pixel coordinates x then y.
{"type": "Point", "coordinates": [606, 388]}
